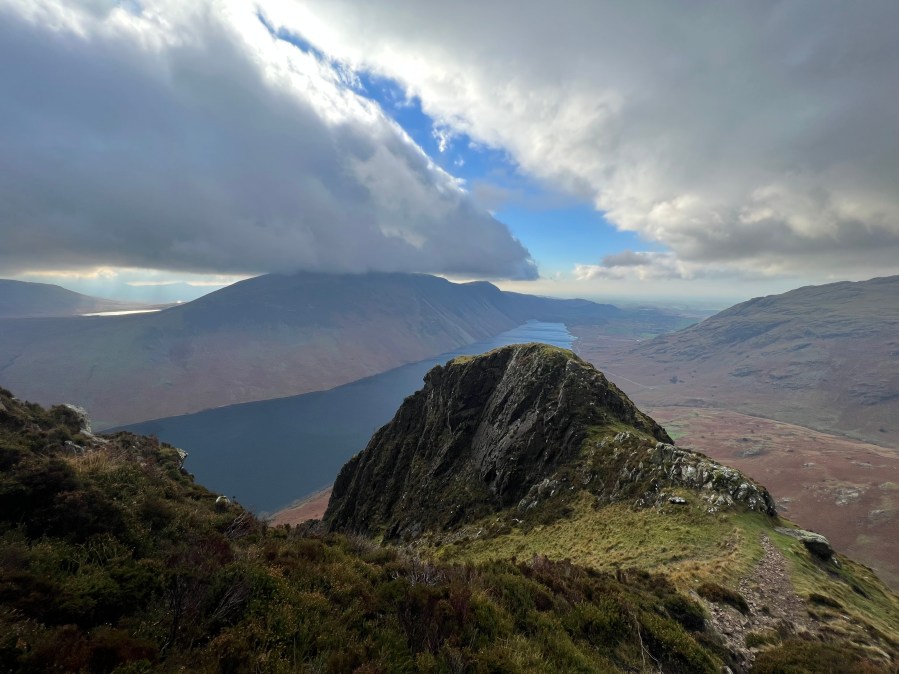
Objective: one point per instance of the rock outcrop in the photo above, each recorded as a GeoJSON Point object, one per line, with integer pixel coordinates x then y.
{"type": "Point", "coordinates": [815, 543]}
{"type": "Point", "coordinates": [515, 428]}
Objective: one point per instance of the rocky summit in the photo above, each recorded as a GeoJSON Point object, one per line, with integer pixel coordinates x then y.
{"type": "Point", "coordinates": [519, 428]}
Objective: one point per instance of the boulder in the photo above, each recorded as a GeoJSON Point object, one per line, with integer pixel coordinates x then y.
{"type": "Point", "coordinates": [815, 543]}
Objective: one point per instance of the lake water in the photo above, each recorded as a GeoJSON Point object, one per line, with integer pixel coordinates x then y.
{"type": "Point", "coordinates": [267, 454]}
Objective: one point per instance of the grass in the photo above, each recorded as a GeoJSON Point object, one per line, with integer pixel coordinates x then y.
{"type": "Point", "coordinates": [861, 597]}
{"type": "Point", "coordinates": [693, 548]}
{"type": "Point", "coordinates": [687, 543]}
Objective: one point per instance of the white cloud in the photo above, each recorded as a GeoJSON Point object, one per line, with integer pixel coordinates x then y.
{"type": "Point", "coordinates": [760, 135]}
{"type": "Point", "coordinates": [639, 266]}
{"type": "Point", "coordinates": [184, 136]}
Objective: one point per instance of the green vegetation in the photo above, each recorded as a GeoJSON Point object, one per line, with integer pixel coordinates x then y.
{"type": "Point", "coordinates": [799, 657]}
{"type": "Point", "coordinates": [722, 595]}
{"type": "Point", "coordinates": [112, 559]}
{"type": "Point", "coordinates": [686, 542]}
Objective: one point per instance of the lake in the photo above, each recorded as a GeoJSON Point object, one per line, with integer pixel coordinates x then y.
{"type": "Point", "coordinates": [267, 454]}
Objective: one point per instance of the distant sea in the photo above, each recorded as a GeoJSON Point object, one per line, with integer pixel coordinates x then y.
{"type": "Point", "coordinates": [269, 453]}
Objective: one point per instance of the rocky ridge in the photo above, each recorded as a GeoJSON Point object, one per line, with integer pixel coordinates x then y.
{"type": "Point", "coordinates": [651, 470]}
{"type": "Point", "coordinates": [520, 427]}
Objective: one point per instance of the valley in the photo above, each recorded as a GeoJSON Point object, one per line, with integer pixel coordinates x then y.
{"type": "Point", "coordinates": [268, 453]}
{"type": "Point", "coordinates": [825, 357]}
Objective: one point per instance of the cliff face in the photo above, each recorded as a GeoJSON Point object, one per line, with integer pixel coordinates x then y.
{"type": "Point", "coordinates": [513, 428]}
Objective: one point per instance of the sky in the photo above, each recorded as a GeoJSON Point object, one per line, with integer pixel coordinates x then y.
{"type": "Point", "coordinates": [711, 151]}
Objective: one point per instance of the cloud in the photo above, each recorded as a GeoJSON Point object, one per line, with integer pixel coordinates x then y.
{"type": "Point", "coordinates": [656, 266]}
{"type": "Point", "coordinates": [758, 135]}
{"type": "Point", "coordinates": [638, 266]}
{"type": "Point", "coordinates": [185, 136]}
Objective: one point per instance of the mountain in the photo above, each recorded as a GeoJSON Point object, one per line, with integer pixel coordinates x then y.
{"type": "Point", "coordinates": [503, 430]}
{"type": "Point", "coordinates": [826, 357]}
{"type": "Point", "coordinates": [529, 451]}
{"type": "Point", "coordinates": [19, 299]}
{"type": "Point", "coordinates": [481, 433]}
{"type": "Point", "coordinates": [113, 560]}
{"type": "Point", "coordinates": [270, 336]}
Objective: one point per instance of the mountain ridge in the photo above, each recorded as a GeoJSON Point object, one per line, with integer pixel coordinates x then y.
{"type": "Point", "coordinates": [529, 451]}
{"type": "Point", "coordinates": [267, 337]}
{"type": "Point", "coordinates": [23, 299]}
{"type": "Point", "coordinates": [112, 557]}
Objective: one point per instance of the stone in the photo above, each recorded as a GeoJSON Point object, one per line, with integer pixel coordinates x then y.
{"type": "Point", "coordinates": [815, 543]}
{"type": "Point", "coordinates": [83, 418]}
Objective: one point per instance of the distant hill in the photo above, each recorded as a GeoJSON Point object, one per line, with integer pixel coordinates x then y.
{"type": "Point", "coordinates": [20, 299]}
{"type": "Point", "coordinates": [272, 336]}
{"type": "Point", "coordinates": [826, 357]}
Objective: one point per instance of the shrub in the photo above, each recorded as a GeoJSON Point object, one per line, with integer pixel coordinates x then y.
{"type": "Point", "coordinates": [810, 657]}
{"type": "Point", "coordinates": [756, 639]}
{"type": "Point", "coordinates": [824, 600]}
{"type": "Point", "coordinates": [685, 611]}
{"type": "Point", "coordinates": [722, 595]}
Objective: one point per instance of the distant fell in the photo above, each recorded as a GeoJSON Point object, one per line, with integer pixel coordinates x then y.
{"type": "Point", "coordinates": [272, 336]}
{"type": "Point", "coordinates": [825, 356]}
{"type": "Point", "coordinates": [21, 299]}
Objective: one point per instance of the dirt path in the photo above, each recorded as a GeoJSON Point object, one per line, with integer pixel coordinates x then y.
{"type": "Point", "coordinates": [773, 605]}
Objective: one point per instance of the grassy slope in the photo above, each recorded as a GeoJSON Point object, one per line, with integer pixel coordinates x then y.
{"type": "Point", "coordinates": [112, 559]}
{"type": "Point", "coordinates": [690, 547]}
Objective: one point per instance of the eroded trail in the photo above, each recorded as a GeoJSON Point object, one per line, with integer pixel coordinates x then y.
{"type": "Point", "coordinates": [773, 605]}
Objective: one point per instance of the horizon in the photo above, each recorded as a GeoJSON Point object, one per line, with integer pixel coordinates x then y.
{"type": "Point", "coordinates": [174, 293]}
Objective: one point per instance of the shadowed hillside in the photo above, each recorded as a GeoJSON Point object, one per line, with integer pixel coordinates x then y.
{"type": "Point", "coordinates": [19, 299]}
{"type": "Point", "coordinates": [268, 337]}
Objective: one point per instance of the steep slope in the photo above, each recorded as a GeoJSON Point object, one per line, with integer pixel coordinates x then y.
{"type": "Point", "coordinates": [266, 337]}
{"type": "Point", "coordinates": [19, 299]}
{"type": "Point", "coordinates": [529, 451]}
{"type": "Point", "coordinates": [496, 431]}
{"type": "Point", "coordinates": [826, 357]}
